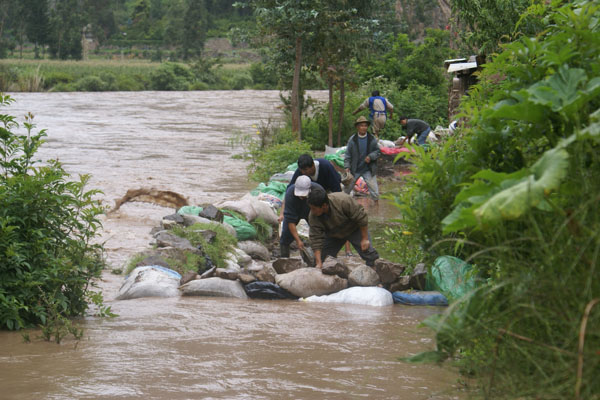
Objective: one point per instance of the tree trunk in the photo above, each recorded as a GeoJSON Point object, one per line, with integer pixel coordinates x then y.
{"type": "Point", "coordinates": [295, 100]}
{"type": "Point", "coordinates": [341, 114]}
{"type": "Point", "coordinates": [330, 88]}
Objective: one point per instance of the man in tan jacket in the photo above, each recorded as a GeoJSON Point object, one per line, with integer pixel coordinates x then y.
{"type": "Point", "coordinates": [334, 219]}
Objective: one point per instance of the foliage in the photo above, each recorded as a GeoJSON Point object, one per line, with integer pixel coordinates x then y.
{"type": "Point", "coordinates": [394, 243]}
{"type": "Point", "coordinates": [202, 74]}
{"type": "Point", "coordinates": [216, 250]}
{"type": "Point", "coordinates": [406, 63]}
{"type": "Point", "coordinates": [516, 193]}
{"type": "Point", "coordinates": [493, 22]}
{"type": "Point", "coordinates": [66, 23]}
{"type": "Point", "coordinates": [275, 159]}
{"type": "Point", "coordinates": [269, 149]}
{"type": "Point", "coordinates": [171, 76]}
{"type": "Point", "coordinates": [47, 225]}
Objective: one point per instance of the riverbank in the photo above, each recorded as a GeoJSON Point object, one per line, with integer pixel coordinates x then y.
{"type": "Point", "coordinates": [123, 75]}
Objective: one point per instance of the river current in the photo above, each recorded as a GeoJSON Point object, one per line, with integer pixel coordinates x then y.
{"type": "Point", "coordinates": [194, 347]}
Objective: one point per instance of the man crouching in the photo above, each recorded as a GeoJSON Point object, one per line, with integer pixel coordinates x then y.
{"type": "Point", "coordinates": [334, 219]}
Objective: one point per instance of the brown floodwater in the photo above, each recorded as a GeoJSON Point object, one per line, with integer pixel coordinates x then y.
{"type": "Point", "coordinates": [196, 347]}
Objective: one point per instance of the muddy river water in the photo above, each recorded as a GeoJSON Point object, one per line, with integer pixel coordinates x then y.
{"type": "Point", "coordinates": [199, 348]}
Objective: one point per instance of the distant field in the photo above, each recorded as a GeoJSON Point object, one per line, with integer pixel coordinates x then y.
{"type": "Point", "coordinates": [29, 75]}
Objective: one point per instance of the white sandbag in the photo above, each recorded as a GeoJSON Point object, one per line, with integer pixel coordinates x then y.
{"type": "Point", "coordinates": [332, 150]}
{"type": "Point", "coordinates": [305, 282]}
{"type": "Point", "coordinates": [214, 287]}
{"type": "Point", "coordinates": [386, 143]}
{"type": "Point", "coordinates": [262, 209]}
{"type": "Point", "coordinates": [243, 206]}
{"type": "Point", "coordinates": [149, 281]}
{"type": "Point", "coordinates": [254, 249]}
{"type": "Point", "coordinates": [367, 296]}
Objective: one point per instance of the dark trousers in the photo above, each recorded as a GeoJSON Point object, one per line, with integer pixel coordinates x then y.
{"type": "Point", "coordinates": [332, 246]}
{"type": "Point", "coordinates": [286, 238]}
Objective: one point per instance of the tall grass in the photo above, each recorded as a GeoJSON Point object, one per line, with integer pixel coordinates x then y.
{"type": "Point", "coordinates": [116, 75]}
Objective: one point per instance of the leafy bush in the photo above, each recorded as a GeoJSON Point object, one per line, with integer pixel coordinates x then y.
{"type": "Point", "coordinates": [90, 84]}
{"type": "Point", "coordinates": [47, 260]}
{"type": "Point", "coordinates": [53, 78]}
{"type": "Point", "coordinates": [275, 159]}
{"type": "Point", "coordinates": [516, 193]}
{"type": "Point", "coordinates": [171, 76]}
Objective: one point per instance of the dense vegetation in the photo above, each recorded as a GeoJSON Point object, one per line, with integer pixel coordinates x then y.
{"type": "Point", "coordinates": [47, 223]}
{"type": "Point", "coordinates": [57, 25]}
{"type": "Point", "coordinates": [516, 194]}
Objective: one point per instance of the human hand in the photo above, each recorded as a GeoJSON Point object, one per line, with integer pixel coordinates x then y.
{"type": "Point", "coordinates": [280, 218]}
{"type": "Point", "coordinates": [367, 159]}
{"type": "Point", "coordinates": [364, 244]}
{"type": "Point", "coordinates": [300, 244]}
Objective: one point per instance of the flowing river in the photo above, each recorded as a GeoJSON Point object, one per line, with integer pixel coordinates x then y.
{"type": "Point", "coordinates": [195, 347]}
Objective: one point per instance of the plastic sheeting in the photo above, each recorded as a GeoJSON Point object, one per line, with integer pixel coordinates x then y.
{"type": "Point", "coordinates": [452, 277]}
{"type": "Point", "coordinates": [420, 298]}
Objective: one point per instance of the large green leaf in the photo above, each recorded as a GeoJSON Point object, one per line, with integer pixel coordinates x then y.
{"type": "Point", "coordinates": [522, 195]}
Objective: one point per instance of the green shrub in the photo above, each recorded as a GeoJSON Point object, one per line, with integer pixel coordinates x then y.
{"type": "Point", "coordinates": [515, 194]}
{"type": "Point", "coordinates": [47, 260]}
{"type": "Point", "coordinates": [54, 78]}
{"type": "Point", "coordinates": [263, 77]}
{"type": "Point", "coordinates": [171, 76]}
{"type": "Point", "coordinates": [275, 159]}
{"type": "Point", "coordinates": [128, 83]}
{"type": "Point", "coordinates": [240, 81]}
{"type": "Point", "coordinates": [217, 250]}
{"type": "Point", "coordinates": [90, 84]}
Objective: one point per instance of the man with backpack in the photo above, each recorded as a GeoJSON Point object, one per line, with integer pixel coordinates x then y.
{"type": "Point", "coordinates": [379, 107]}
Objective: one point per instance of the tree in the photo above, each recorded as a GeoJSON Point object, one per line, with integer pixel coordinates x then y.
{"type": "Point", "coordinates": [317, 31]}
{"type": "Point", "coordinates": [492, 22]}
{"type": "Point", "coordinates": [66, 24]}
{"type": "Point", "coordinates": [291, 22]}
{"type": "Point", "coordinates": [194, 28]}
{"type": "Point", "coordinates": [37, 23]}
{"type": "Point", "coordinates": [141, 20]}
{"type": "Point", "coordinates": [347, 29]}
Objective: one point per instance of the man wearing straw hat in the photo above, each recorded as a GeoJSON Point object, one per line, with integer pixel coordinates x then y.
{"type": "Point", "coordinates": [362, 152]}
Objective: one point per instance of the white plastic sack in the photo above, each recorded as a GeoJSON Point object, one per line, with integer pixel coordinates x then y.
{"type": "Point", "coordinates": [331, 150]}
{"type": "Point", "coordinates": [386, 143]}
{"type": "Point", "coordinates": [367, 296]}
{"type": "Point", "coordinates": [243, 206]}
{"type": "Point", "coordinates": [149, 281]}
{"type": "Point", "coordinates": [262, 210]}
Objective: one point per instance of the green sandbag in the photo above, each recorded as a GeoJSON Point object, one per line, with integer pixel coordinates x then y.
{"type": "Point", "coordinates": [292, 167]}
{"type": "Point", "coordinates": [243, 229]}
{"type": "Point", "coordinates": [274, 188]}
{"type": "Point", "coordinates": [335, 158]}
{"type": "Point", "coordinates": [193, 210]}
{"type": "Point", "coordinates": [452, 277]}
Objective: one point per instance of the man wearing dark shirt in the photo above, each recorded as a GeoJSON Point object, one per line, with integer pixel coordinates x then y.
{"type": "Point", "coordinates": [296, 208]}
{"type": "Point", "coordinates": [320, 170]}
{"type": "Point", "coordinates": [414, 126]}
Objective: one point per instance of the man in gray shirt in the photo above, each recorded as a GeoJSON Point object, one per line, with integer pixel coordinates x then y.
{"type": "Point", "coordinates": [414, 126]}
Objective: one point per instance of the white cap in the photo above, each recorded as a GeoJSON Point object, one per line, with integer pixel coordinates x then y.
{"type": "Point", "coordinates": [302, 186]}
